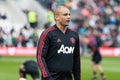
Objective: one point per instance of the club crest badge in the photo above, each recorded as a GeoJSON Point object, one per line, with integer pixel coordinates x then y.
{"type": "Point", "coordinates": [72, 40]}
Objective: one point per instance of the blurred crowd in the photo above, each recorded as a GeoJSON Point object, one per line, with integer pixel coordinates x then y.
{"type": "Point", "coordinates": [96, 19]}
{"type": "Point", "coordinates": [27, 36]}
{"type": "Point", "coordinates": [88, 17]}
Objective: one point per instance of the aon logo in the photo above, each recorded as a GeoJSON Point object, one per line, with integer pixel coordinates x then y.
{"type": "Point", "coordinates": [66, 50]}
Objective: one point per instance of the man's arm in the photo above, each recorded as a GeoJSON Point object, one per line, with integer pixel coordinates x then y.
{"type": "Point", "coordinates": [77, 63]}
{"type": "Point", "coordinates": [42, 49]}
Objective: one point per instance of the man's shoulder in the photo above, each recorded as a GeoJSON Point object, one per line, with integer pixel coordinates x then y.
{"type": "Point", "coordinates": [49, 29]}
{"type": "Point", "coordinates": [71, 30]}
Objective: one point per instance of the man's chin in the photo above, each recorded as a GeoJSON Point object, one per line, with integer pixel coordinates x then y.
{"type": "Point", "coordinates": [67, 25]}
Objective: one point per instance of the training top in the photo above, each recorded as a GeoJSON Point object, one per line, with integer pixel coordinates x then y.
{"type": "Point", "coordinates": [59, 52]}
{"type": "Point", "coordinates": [94, 46]}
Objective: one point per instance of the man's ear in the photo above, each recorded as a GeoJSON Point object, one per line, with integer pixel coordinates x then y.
{"type": "Point", "coordinates": [56, 17]}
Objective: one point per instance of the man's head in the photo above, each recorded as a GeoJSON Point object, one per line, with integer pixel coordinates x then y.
{"type": "Point", "coordinates": [62, 16]}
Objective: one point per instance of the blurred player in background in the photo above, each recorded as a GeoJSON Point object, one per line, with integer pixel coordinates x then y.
{"type": "Point", "coordinates": [96, 56]}
{"type": "Point", "coordinates": [29, 67]}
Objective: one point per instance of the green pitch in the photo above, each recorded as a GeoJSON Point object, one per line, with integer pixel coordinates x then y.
{"type": "Point", "coordinates": [9, 67]}
{"type": "Point", "coordinates": [111, 67]}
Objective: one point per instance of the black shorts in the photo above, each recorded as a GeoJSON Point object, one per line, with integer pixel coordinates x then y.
{"type": "Point", "coordinates": [96, 58]}
{"type": "Point", "coordinates": [31, 68]}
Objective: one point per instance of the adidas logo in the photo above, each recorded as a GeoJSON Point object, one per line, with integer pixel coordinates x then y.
{"type": "Point", "coordinates": [58, 40]}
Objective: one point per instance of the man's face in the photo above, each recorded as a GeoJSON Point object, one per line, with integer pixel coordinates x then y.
{"type": "Point", "coordinates": [63, 17]}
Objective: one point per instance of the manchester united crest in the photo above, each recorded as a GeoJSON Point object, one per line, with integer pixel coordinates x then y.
{"type": "Point", "coordinates": [72, 40]}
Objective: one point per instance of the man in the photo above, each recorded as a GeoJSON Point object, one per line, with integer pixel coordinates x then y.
{"type": "Point", "coordinates": [29, 67]}
{"type": "Point", "coordinates": [96, 56]}
{"type": "Point", "coordinates": [58, 53]}
{"type": "Point", "coordinates": [95, 62]}
{"type": "Point", "coordinates": [32, 18]}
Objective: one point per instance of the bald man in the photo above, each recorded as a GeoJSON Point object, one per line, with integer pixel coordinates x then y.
{"type": "Point", "coordinates": [58, 53]}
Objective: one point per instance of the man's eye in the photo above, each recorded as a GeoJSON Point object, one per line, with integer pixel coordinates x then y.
{"type": "Point", "coordinates": [66, 14]}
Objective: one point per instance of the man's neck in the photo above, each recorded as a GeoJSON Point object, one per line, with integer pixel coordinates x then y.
{"type": "Point", "coordinates": [62, 28]}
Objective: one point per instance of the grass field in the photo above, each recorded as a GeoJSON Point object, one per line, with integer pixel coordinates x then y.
{"type": "Point", "coordinates": [111, 66]}
{"type": "Point", "coordinates": [9, 67]}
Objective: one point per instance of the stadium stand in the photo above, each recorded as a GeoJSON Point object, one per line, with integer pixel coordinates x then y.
{"type": "Point", "coordinates": [101, 16]}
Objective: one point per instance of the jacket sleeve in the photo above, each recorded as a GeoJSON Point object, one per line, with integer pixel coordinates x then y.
{"type": "Point", "coordinates": [77, 63]}
{"type": "Point", "coordinates": [91, 46]}
{"type": "Point", "coordinates": [42, 49]}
